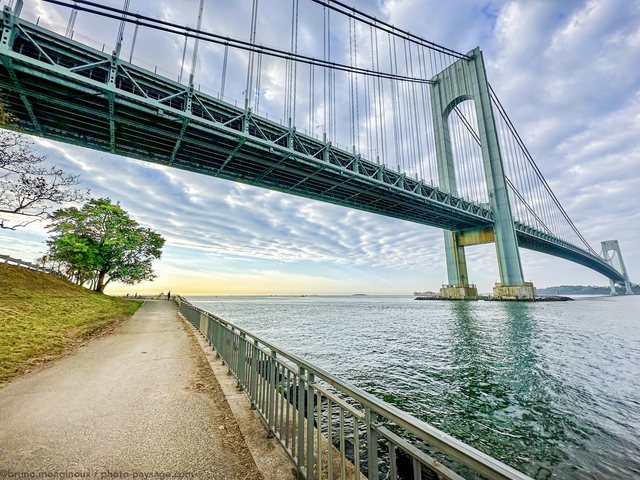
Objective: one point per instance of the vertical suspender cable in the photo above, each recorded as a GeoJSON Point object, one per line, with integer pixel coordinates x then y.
{"type": "Point", "coordinates": [427, 150]}
{"type": "Point", "coordinates": [433, 164]}
{"type": "Point", "coordinates": [258, 77]}
{"type": "Point", "coordinates": [295, 65]}
{"type": "Point", "coordinates": [404, 156]}
{"type": "Point", "coordinates": [512, 167]}
{"type": "Point", "coordinates": [224, 71]}
{"type": "Point", "coordinates": [407, 112]}
{"type": "Point", "coordinates": [311, 129]}
{"type": "Point", "coordinates": [383, 128]}
{"type": "Point", "coordinates": [330, 78]}
{"type": "Point", "coordinates": [324, 84]}
{"type": "Point", "coordinates": [394, 87]}
{"type": "Point", "coordinates": [125, 9]}
{"type": "Point", "coordinates": [375, 97]}
{"type": "Point", "coordinates": [195, 46]}
{"type": "Point", "coordinates": [461, 164]}
{"type": "Point", "coordinates": [133, 46]}
{"type": "Point", "coordinates": [471, 149]}
{"type": "Point", "coordinates": [517, 178]}
{"type": "Point", "coordinates": [252, 40]}
{"type": "Point", "coordinates": [184, 55]}
{"type": "Point", "coordinates": [417, 128]}
{"type": "Point", "coordinates": [72, 21]}
{"type": "Point", "coordinates": [355, 60]}
{"type": "Point", "coordinates": [367, 116]}
{"type": "Point", "coordinates": [467, 156]}
{"type": "Point", "coordinates": [332, 84]}
{"type": "Point", "coordinates": [312, 103]}
{"type": "Point", "coordinates": [290, 66]}
{"type": "Point", "coordinates": [481, 181]}
{"type": "Point", "coordinates": [287, 75]}
{"type": "Point", "coordinates": [352, 128]}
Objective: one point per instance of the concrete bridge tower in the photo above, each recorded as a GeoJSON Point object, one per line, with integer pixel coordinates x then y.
{"type": "Point", "coordinates": [466, 80]}
{"type": "Point", "coordinates": [610, 251]}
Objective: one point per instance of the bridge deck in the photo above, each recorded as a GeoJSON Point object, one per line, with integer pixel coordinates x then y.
{"type": "Point", "coordinates": [61, 89]}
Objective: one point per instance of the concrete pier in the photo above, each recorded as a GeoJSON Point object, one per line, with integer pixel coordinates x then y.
{"type": "Point", "coordinates": [459, 292]}
{"type": "Point", "coordinates": [523, 292]}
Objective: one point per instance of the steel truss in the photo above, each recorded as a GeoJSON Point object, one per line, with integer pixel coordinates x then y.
{"type": "Point", "coordinates": [64, 90]}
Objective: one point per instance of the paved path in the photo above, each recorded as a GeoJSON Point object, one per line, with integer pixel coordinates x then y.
{"type": "Point", "coordinates": [139, 403]}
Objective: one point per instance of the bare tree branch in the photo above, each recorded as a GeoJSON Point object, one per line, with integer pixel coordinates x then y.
{"type": "Point", "coordinates": [28, 189]}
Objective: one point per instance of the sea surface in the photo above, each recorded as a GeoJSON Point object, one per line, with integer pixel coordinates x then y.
{"type": "Point", "coordinates": [552, 389]}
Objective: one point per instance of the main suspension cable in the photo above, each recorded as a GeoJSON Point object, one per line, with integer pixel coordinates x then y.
{"type": "Point", "coordinates": [528, 156]}
{"type": "Point", "coordinates": [162, 25]}
{"type": "Point", "coordinates": [367, 19]}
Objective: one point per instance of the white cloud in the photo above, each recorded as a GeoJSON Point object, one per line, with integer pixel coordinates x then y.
{"type": "Point", "coordinates": [565, 71]}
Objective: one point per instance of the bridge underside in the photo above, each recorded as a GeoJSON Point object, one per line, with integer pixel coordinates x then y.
{"type": "Point", "coordinates": [131, 119]}
{"type": "Point", "coordinates": [62, 90]}
{"type": "Point", "coordinates": [564, 250]}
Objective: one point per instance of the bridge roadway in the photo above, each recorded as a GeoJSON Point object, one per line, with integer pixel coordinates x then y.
{"type": "Point", "coordinates": [66, 91]}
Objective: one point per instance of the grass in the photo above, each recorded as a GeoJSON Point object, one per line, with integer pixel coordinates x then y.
{"type": "Point", "coordinates": [43, 317]}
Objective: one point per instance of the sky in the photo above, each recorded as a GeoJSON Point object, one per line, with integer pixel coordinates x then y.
{"type": "Point", "coordinates": [566, 72]}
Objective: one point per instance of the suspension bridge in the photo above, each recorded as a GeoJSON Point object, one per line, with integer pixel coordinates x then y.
{"type": "Point", "coordinates": [349, 110]}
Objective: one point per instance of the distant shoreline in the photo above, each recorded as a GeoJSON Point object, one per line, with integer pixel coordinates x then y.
{"type": "Point", "coordinates": [583, 290]}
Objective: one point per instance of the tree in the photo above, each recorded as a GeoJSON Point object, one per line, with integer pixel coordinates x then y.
{"type": "Point", "coordinates": [27, 188]}
{"type": "Point", "coordinates": [100, 243]}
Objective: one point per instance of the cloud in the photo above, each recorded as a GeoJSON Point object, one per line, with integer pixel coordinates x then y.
{"type": "Point", "coordinates": [565, 71]}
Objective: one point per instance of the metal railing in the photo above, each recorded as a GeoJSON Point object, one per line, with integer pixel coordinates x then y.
{"type": "Point", "coordinates": [331, 429]}
{"type": "Point", "coordinates": [29, 265]}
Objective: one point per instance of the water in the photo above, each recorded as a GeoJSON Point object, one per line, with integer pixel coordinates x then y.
{"type": "Point", "coordinates": [548, 388]}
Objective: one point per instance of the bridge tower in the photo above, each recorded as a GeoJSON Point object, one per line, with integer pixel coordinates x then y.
{"type": "Point", "coordinates": [609, 246]}
{"type": "Point", "coordinates": [466, 80]}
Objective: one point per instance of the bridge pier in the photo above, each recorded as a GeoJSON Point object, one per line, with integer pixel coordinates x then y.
{"type": "Point", "coordinates": [461, 81]}
{"type": "Point", "coordinates": [459, 292]}
{"type": "Point", "coordinates": [523, 292]}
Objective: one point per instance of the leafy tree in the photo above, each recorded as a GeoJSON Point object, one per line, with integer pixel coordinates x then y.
{"type": "Point", "coordinates": [28, 189]}
{"type": "Point", "coordinates": [100, 243]}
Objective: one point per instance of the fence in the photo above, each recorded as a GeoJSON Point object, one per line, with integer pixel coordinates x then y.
{"type": "Point", "coordinates": [32, 266]}
{"type": "Point", "coordinates": [331, 429]}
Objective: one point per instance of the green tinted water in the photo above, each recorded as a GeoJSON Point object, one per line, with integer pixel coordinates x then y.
{"type": "Point", "coordinates": [548, 388]}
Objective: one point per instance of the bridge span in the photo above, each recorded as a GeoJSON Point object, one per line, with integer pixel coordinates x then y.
{"type": "Point", "coordinates": [64, 90]}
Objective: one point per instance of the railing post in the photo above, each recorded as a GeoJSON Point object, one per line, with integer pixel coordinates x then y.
{"type": "Point", "coordinates": [216, 338]}
{"type": "Point", "coordinates": [228, 352]}
{"type": "Point", "coordinates": [330, 439]}
{"type": "Point", "coordinates": [242, 359]}
{"type": "Point", "coordinates": [310, 420]}
{"type": "Point", "coordinates": [212, 327]}
{"type": "Point", "coordinates": [393, 468]}
{"type": "Point", "coordinates": [372, 444]}
{"type": "Point", "coordinates": [254, 374]}
{"type": "Point", "coordinates": [301, 406]}
{"type": "Point", "coordinates": [272, 394]}
{"type": "Point", "coordinates": [234, 350]}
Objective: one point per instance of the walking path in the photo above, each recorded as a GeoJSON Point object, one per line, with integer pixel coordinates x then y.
{"type": "Point", "coordinates": [139, 403]}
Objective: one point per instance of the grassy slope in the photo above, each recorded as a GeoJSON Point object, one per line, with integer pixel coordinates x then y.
{"type": "Point", "coordinates": [41, 316]}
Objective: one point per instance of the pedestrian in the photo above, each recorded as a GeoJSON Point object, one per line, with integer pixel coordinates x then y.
{"type": "Point", "coordinates": [169, 295]}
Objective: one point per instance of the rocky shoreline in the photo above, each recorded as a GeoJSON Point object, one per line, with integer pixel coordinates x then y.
{"type": "Point", "coordinates": [489, 298]}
